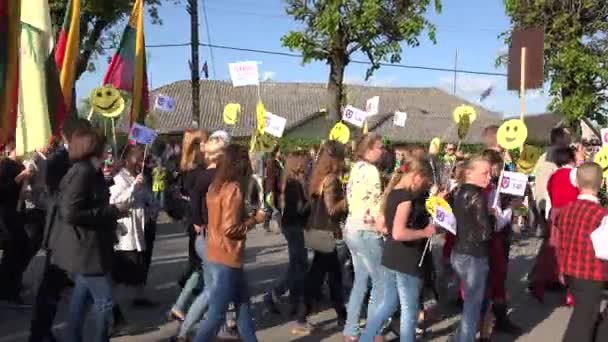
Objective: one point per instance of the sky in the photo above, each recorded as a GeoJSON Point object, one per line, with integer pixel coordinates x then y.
{"type": "Point", "coordinates": [469, 28]}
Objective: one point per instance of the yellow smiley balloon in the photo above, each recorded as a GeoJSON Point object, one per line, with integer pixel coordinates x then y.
{"type": "Point", "coordinates": [231, 112]}
{"type": "Point", "coordinates": [601, 158]}
{"type": "Point", "coordinates": [340, 133]}
{"type": "Point", "coordinates": [436, 142]}
{"type": "Point", "coordinates": [435, 201]}
{"type": "Point", "coordinates": [464, 110]}
{"type": "Point", "coordinates": [527, 159]}
{"type": "Point", "coordinates": [107, 101]}
{"type": "Point", "coordinates": [512, 134]}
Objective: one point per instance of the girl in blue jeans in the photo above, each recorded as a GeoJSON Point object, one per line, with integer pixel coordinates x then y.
{"type": "Point", "coordinates": [407, 227]}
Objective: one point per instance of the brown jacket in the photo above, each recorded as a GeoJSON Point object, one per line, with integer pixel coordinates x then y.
{"type": "Point", "coordinates": [228, 225]}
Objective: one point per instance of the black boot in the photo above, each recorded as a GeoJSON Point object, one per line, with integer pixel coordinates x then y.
{"type": "Point", "coordinates": [503, 323]}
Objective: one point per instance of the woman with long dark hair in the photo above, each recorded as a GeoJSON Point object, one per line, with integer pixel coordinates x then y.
{"type": "Point", "coordinates": [86, 230]}
{"type": "Point", "coordinates": [228, 223]}
{"type": "Point", "coordinates": [294, 202]}
{"type": "Point", "coordinates": [328, 207]}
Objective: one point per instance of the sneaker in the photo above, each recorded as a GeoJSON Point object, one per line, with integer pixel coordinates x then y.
{"type": "Point", "coordinates": [302, 329]}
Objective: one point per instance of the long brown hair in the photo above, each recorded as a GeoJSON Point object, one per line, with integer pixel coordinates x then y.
{"type": "Point", "coordinates": [331, 156]}
{"type": "Point", "coordinates": [191, 154]}
{"type": "Point", "coordinates": [295, 167]}
{"type": "Point", "coordinates": [234, 166]}
{"type": "Point", "coordinates": [364, 144]}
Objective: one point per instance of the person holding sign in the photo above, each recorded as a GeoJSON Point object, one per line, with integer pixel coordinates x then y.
{"type": "Point", "coordinates": [407, 228]}
{"type": "Point", "coordinates": [470, 252]}
{"type": "Point", "coordinates": [562, 190]}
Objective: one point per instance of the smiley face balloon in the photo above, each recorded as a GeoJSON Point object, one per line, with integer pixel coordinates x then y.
{"type": "Point", "coordinates": [340, 133]}
{"type": "Point", "coordinates": [107, 101]}
{"type": "Point", "coordinates": [527, 159]}
{"type": "Point", "coordinates": [464, 110]}
{"type": "Point", "coordinates": [512, 134]}
{"type": "Point", "coordinates": [601, 158]}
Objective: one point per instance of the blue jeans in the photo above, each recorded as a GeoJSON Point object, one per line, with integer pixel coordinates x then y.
{"type": "Point", "coordinates": [366, 250]}
{"type": "Point", "coordinates": [229, 285]}
{"type": "Point", "coordinates": [96, 290]}
{"type": "Point", "coordinates": [199, 306]}
{"type": "Point", "coordinates": [186, 297]}
{"type": "Point", "coordinates": [399, 288]}
{"type": "Point", "coordinates": [473, 272]}
{"type": "Point", "coordinates": [298, 259]}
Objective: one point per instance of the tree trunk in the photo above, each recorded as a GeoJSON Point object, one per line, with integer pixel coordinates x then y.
{"type": "Point", "coordinates": [195, 72]}
{"type": "Point", "coordinates": [335, 86]}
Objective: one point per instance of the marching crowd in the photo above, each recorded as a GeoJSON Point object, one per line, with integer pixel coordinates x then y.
{"type": "Point", "coordinates": [360, 211]}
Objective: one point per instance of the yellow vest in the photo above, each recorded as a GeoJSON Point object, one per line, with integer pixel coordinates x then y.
{"type": "Point", "coordinates": [159, 176]}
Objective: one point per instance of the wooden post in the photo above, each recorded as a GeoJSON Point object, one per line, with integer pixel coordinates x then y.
{"type": "Point", "coordinates": [522, 85]}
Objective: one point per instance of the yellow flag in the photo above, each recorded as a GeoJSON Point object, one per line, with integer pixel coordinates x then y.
{"type": "Point", "coordinates": [140, 89]}
{"type": "Point", "coordinates": [260, 116]}
{"type": "Point", "coordinates": [231, 112]}
{"type": "Point", "coordinates": [67, 61]}
{"type": "Point", "coordinates": [33, 124]}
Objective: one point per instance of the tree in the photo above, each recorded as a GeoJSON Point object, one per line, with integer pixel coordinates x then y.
{"type": "Point", "coordinates": [99, 29]}
{"type": "Point", "coordinates": [576, 52]}
{"type": "Point", "coordinates": [335, 29]}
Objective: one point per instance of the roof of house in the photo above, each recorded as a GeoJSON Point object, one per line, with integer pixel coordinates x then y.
{"type": "Point", "coordinates": [429, 109]}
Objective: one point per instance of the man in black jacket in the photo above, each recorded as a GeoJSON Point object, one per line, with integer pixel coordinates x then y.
{"type": "Point", "coordinates": [54, 279]}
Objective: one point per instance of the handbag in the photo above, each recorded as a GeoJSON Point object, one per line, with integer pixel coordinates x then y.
{"type": "Point", "coordinates": [316, 238]}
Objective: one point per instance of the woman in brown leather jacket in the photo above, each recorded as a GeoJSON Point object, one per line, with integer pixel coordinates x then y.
{"type": "Point", "coordinates": [324, 186]}
{"type": "Point", "coordinates": [228, 223]}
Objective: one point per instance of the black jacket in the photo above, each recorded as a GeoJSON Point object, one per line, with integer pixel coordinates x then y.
{"type": "Point", "coordinates": [474, 224]}
{"type": "Point", "coordinates": [56, 166]}
{"type": "Point", "coordinates": [84, 223]}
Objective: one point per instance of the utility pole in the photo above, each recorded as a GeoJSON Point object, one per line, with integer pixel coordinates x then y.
{"type": "Point", "coordinates": [192, 8]}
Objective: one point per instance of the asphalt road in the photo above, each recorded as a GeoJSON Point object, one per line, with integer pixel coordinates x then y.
{"type": "Point", "coordinates": [266, 258]}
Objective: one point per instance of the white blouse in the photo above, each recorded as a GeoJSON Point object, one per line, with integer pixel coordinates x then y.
{"type": "Point", "coordinates": [140, 203]}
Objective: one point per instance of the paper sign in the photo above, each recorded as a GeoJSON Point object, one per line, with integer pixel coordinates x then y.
{"type": "Point", "coordinates": [275, 125]}
{"type": "Point", "coordinates": [513, 183]}
{"type": "Point", "coordinates": [164, 103]}
{"type": "Point", "coordinates": [399, 119]}
{"type": "Point", "coordinates": [354, 116]}
{"type": "Point", "coordinates": [371, 107]}
{"type": "Point", "coordinates": [142, 134]}
{"type": "Point", "coordinates": [445, 220]}
{"type": "Point", "coordinates": [244, 73]}
{"type": "Point", "coordinates": [231, 112]}
{"type": "Point", "coordinates": [604, 133]}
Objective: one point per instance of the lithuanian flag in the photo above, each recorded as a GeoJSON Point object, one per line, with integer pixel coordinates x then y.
{"type": "Point", "coordinates": [66, 57]}
{"type": "Point", "coordinates": [36, 45]}
{"type": "Point", "coordinates": [127, 70]}
{"type": "Point", "coordinates": [9, 69]}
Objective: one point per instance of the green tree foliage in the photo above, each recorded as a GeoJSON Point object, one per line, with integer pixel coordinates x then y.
{"type": "Point", "coordinates": [101, 26]}
{"type": "Point", "coordinates": [576, 52]}
{"type": "Point", "coordinates": [333, 30]}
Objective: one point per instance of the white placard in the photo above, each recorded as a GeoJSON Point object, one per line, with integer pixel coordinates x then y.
{"type": "Point", "coordinates": [604, 133]}
{"type": "Point", "coordinates": [275, 125]}
{"type": "Point", "coordinates": [399, 119]}
{"type": "Point", "coordinates": [445, 220]}
{"type": "Point", "coordinates": [513, 183]}
{"type": "Point", "coordinates": [354, 116]}
{"type": "Point", "coordinates": [371, 106]}
{"type": "Point", "coordinates": [244, 73]}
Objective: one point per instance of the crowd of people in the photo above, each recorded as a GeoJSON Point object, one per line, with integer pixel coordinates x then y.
{"type": "Point", "coordinates": [360, 211]}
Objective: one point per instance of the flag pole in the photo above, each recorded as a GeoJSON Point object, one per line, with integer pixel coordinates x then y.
{"type": "Point", "coordinates": [114, 138]}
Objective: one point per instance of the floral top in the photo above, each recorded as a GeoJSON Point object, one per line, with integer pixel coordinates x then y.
{"type": "Point", "coordinates": [364, 196]}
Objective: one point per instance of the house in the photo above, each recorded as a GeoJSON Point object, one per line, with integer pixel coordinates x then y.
{"type": "Point", "coordinates": [540, 126]}
{"type": "Point", "coordinates": [429, 110]}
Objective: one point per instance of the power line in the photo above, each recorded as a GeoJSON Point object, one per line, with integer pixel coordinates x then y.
{"type": "Point", "coordinates": [288, 54]}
